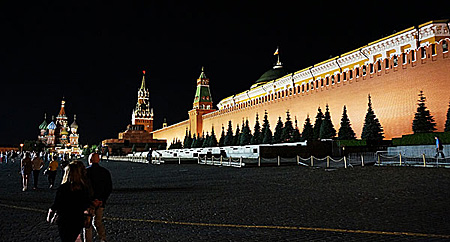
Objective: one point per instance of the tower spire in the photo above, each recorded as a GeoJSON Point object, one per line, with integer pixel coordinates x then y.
{"type": "Point", "coordinates": [202, 99]}
{"type": "Point", "coordinates": [278, 64]}
{"type": "Point", "coordinates": [143, 80]}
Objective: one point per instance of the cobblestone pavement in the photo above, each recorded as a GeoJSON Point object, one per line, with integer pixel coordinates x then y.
{"type": "Point", "coordinates": [205, 203]}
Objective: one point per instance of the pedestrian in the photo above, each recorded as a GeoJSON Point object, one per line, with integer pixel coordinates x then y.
{"type": "Point", "coordinates": [37, 164]}
{"type": "Point", "coordinates": [72, 200]}
{"type": "Point", "coordinates": [100, 180]}
{"type": "Point", "coordinates": [26, 168]}
{"type": "Point", "coordinates": [439, 148]}
{"type": "Point", "coordinates": [51, 171]}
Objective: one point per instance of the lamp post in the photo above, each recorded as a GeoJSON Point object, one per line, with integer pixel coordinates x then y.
{"type": "Point", "coordinates": [21, 148]}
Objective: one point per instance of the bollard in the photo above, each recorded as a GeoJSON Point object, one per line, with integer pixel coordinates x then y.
{"type": "Point", "coordinates": [345, 162]}
{"type": "Point", "coordinates": [220, 160]}
{"type": "Point", "coordinates": [378, 157]}
{"type": "Point", "coordinates": [328, 161]}
{"type": "Point", "coordinates": [298, 160]}
{"type": "Point", "coordinates": [400, 154]}
{"type": "Point", "coordinates": [362, 160]}
{"type": "Point", "coordinates": [312, 161]}
{"type": "Point", "coordinates": [240, 162]}
{"type": "Point", "coordinates": [179, 160]}
{"type": "Point", "coordinates": [259, 160]}
{"type": "Point", "coordinates": [424, 163]}
{"type": "Point", "coordinates": [278, 160]}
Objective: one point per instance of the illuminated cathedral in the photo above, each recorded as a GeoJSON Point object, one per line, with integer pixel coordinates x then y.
{"type": "Point", "coordinates": [58, 136]}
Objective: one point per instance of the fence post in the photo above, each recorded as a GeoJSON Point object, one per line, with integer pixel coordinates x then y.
{"type": "Point", "coordinates": [424, 163]}
{"type": "Point", "coordinates": [328, 161]}
{"type": "Point", "coordinates": [362, 160]}
{"type": "Point", "coordinates": [400, 154]}
{"type": "Point", "coordinates": [278, 160]}
{"type": "Point", "coordinates": [345, 162]}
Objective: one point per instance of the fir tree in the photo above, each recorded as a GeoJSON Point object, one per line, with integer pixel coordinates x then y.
{"type": "Point", "coordinates": [296, 137]}
{"type": "Point", "coordinates": [257, 135]}
{"type": "Point", "coordinates": [187, 139]}
{"type": "Point", "coordinates": [133, 148]}
{"type": "Point", "coordinates": [200, 140]}
{"type": "Point", "coordinates": [447, 122]}
{"type": "Point", "coordinates": [318, 123]}
{"type": "Point", "coordinates": [222, 137]}
{"type": "Point", "coordinates": [345, 131]}
{"type": "Point", "coordinates": [265, 131]}
{"type": "Point", "coordinates": [212, 139]}
{"type": "Point", "coordinates": [194, 142]}
{"type": "Point", "coordinates": [278, 131]}
{"type": "Point", "coordinates": [288, 130]}
{"type": "Point", "coordinates": [372, 129]}
{"type": "Point", "coordinates": [237, 136]}
{"type": "Point", "coordinates": [246, 134]}
{"type": "Point", "coordinates": [423, 121]}
{"type": "Point", "coordinates": [206, 141]}
{"type": "Point", "coordinates": [308, 130]}
{"type": "Point", "coordinates": [327, 130]}
{"type": "Point", "coordinates": [229, 137]}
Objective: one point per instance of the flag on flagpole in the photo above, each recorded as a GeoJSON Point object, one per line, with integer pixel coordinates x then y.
{"type": "Point", "coordinates": [276, 52]}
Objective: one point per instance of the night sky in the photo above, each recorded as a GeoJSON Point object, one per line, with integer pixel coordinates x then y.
{"type": "Point", "coordinates": [93, 53]}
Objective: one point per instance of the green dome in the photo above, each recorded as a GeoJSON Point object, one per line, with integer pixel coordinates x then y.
{"type": "Point", "coordinates": [272, 74]}
{"type": "Point", "coordinates": [43, 125]}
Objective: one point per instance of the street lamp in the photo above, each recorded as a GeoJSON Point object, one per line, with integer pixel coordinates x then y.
{"type": "Point", "coordinates": [21, 148]}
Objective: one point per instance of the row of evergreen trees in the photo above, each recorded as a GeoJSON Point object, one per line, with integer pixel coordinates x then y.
{"type": "Point", "coordinates": [323, 128]}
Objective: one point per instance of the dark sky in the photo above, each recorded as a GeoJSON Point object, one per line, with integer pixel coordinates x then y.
{"type": "Point", "coordinates": [93, 53]}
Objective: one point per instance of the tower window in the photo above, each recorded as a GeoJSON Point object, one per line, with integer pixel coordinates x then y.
{"type": "Point", "coordinates": [403, 58]}
{"type": "Point", "coordinates": [350, 74]}
{"type": "Point", "coordinates": [338, 78]}
{"type": "Point", "coordinates": [395, 60]}
{"type": "Point", "coordinates": [379, 65]}
{"type": "Point", "coordinates": [332, 80]}
{"type": "Point", "coordinates": [386, 63]}
{"type": "Point", "coordinates": [423, 52]}
{"type": "Point", "coordinates": [364, 71]}
{"type": "Point", "coordinates": [413, 55]}
{"type": "Point", "coordinates": [344, 76]}
{"type": "Point", "coordinates": [433, 49]}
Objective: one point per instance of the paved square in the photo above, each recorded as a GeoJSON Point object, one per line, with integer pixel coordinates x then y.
{"type": "Point", "coordinates": [206, 203]}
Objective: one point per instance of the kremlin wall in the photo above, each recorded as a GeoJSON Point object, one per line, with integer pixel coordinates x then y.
{"type": "Point", "coordinates": [392, 70]}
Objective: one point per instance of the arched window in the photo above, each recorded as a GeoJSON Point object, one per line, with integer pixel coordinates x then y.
{"type": "Point", "coordinates": [444, 46]}
{"type": "Point", "coordinates": [364, 70]}
{"type": "Point", "coordinates": [379, 65]}
{"type": "Point", "coordinates": [344, 76]}
{"type": "Point", "coordinates": [338, 78]}
{"type": "Point", "coordinates": [328, 80]}
{"type": "Point", "coordinates": [321, 82]}
{"type": "Point", "coordinates": [403, 58]}
{"type": "Point", "coordinates": [307, 87]}
{"type": "Point", "coordinates": [332, 80]}
{"type": "Point", "coordinates": [395, 60]}
{"type": "Point", "coordinates": [386, 63]}
{"type": "Point", "coordinates": [350, 74]}
{"type": "Point", "coordinates": [357, 71]}
{"type": "Point", "coordinates": [413, 55]}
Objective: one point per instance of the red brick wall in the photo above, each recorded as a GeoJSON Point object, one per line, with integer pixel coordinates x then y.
{"type": "Point", "coordinates": [394, 97]}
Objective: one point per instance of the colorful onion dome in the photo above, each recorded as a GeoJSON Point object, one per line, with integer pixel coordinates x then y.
{"type": "Point", "coordinates": [51, 125]}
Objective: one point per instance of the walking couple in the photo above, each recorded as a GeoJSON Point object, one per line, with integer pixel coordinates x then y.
{"type": "Point", "coordinates": [83, 193]}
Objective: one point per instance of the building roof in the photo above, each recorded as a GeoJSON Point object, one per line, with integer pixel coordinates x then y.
{"type": "Point", "coordinates": [276, 72]}
{"type": "Point", "coordinates": [74, 125]}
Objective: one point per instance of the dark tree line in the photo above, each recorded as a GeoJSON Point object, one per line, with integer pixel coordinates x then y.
{"type": "Point", "coordinates": [323, 128]}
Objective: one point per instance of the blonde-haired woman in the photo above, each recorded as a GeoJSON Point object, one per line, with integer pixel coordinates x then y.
{"type": "Point", "coordinates": [72, 199]}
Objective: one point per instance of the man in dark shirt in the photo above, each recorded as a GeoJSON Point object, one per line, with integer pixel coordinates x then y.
{"type": "Point", "coordinates": [101, 183]}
